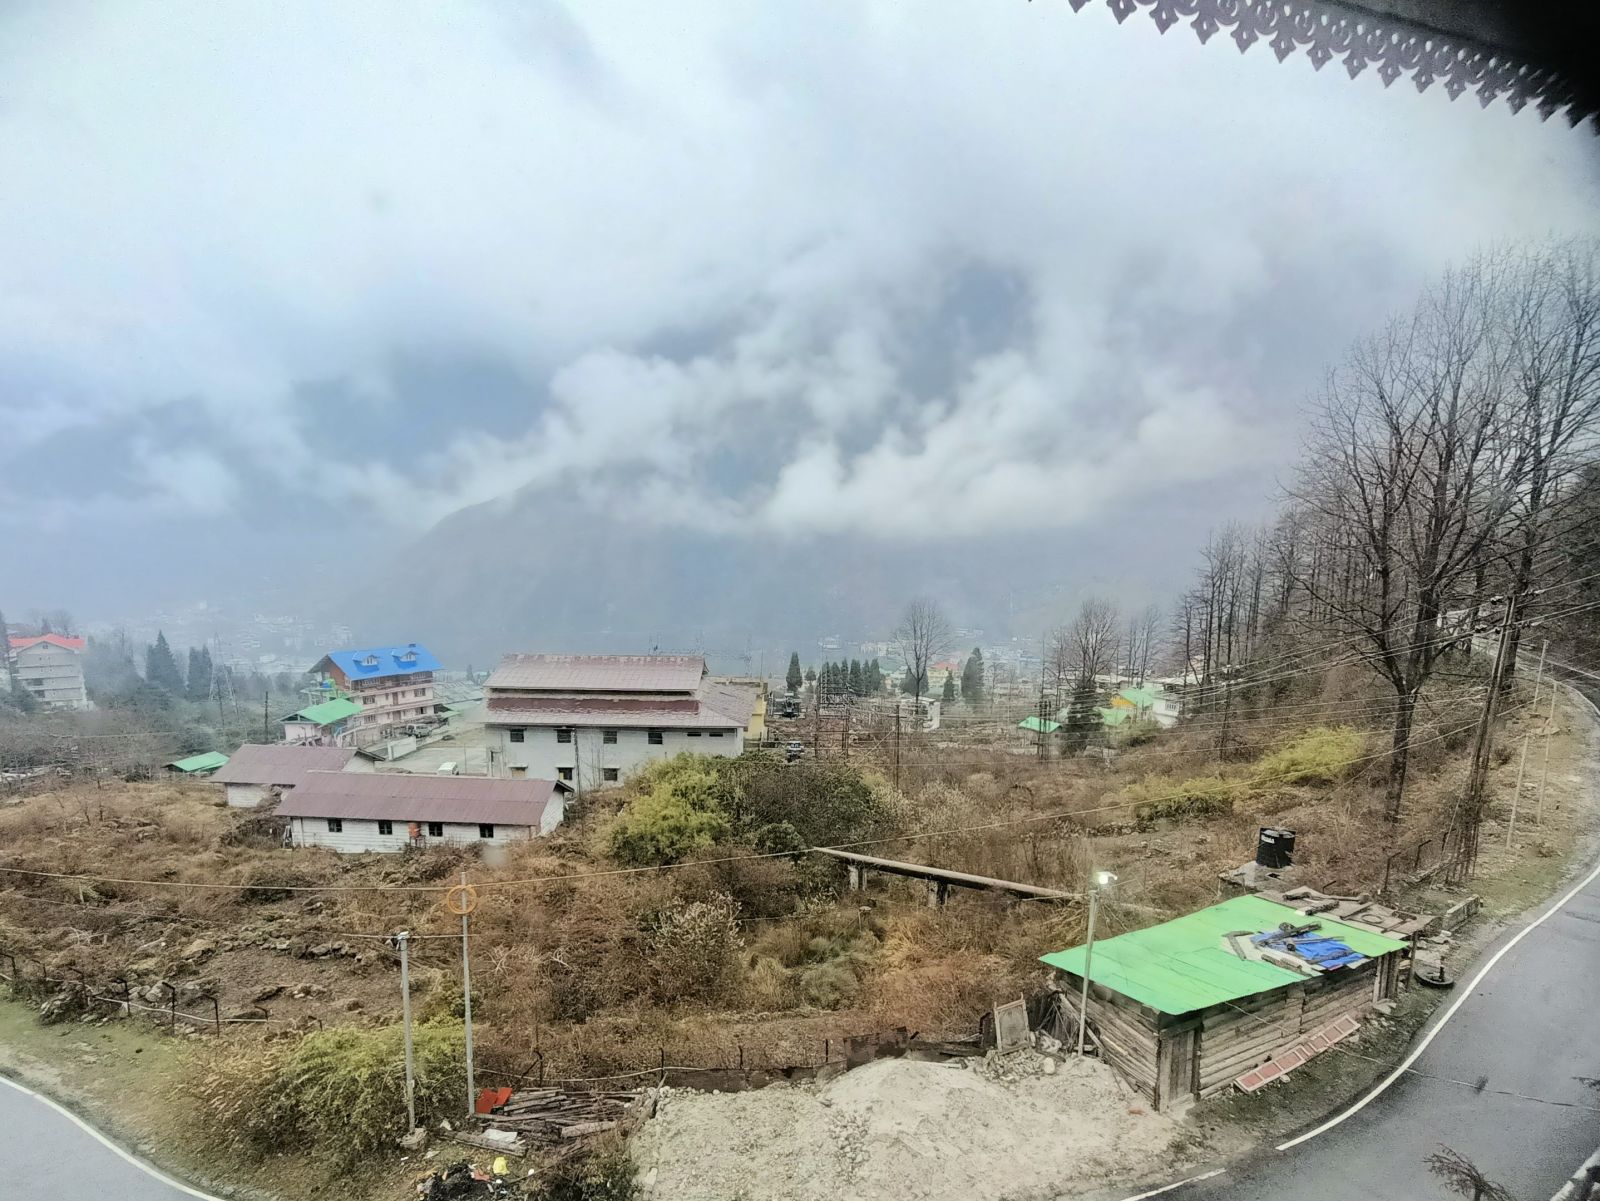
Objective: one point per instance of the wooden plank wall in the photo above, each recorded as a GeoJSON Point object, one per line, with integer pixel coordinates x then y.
{"type": "Point", "coordinates": [1126, 1033]}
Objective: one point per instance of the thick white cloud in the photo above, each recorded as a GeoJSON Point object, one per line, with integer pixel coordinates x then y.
{"type": "Point", "coordinates": [206, 206]}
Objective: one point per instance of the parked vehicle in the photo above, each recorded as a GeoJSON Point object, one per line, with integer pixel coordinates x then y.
{"type": "Point", "coordinates": [793, 750]}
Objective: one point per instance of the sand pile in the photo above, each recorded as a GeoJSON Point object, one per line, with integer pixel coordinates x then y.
{"type": "Point", "coordinates": [898, 1130]}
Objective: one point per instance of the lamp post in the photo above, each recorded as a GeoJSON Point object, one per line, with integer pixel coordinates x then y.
{"type": "Point", "coordinates": [1101, 880]}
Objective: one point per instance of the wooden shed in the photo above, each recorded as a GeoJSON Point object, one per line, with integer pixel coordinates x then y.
{"type": "Point", "coordinates": [1184, 1009]}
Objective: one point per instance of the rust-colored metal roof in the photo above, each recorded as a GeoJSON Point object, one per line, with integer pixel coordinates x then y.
{"type": "Point", "coordinates": [280, 763]}
{"type": "Point", "coordinates": [405, 797]}
{"type": "Point", "coordinates": [600, 673]}
{"type": "Point", "coordinates": [61, 640]}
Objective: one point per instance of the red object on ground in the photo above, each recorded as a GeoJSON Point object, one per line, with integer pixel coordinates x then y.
{"type": "Point", "coordinates": [491, 1099]}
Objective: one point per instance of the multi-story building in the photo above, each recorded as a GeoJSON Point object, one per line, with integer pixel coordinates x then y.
{"type": "Point", "coordinates": [392, 684]}
{"type": "Point", "coordinates": [590, 720]}
{"type": "Point", "coordinates": [50, 668]}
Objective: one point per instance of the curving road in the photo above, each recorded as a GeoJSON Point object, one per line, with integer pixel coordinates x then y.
{"type": "Point", "coordinates": [1511, 1080]}
{"type": "Point", "coordinates": [48, 1154]}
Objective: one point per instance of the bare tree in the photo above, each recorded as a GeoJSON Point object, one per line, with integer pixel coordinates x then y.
{"type": "Point", "coordinates": [1551, 314]}
{"type": "Point", "coordinates": [1143, 633]}
{"type": "Point", "coordinates": [1463, 1178]}
{"type": "Point", "coordinates": [923, 636]}
{"type": "Point", "coordinates": [1411, 467]}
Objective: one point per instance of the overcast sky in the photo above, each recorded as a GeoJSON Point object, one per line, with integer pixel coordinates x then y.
{"type": "Point", "coordinates": [279, 276]}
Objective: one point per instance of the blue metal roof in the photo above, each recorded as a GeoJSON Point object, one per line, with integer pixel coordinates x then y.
{"type": "Point", "coordinates": [375, 662]}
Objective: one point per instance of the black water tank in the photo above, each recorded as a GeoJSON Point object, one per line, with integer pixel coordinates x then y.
{"type": "Point", "coordinates": [1274, 847]}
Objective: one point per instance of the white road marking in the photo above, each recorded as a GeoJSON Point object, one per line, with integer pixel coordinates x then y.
{"type": "Point", "coordinates": [147, 1168]}
{"type": "Point", "coordinates": [1167, 1188]}
{"type": "Point", "coordinates": [1461, 999]}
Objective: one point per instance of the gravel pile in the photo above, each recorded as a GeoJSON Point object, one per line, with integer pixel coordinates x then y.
{"type": "Point", "coordinates": [1008, 1128]}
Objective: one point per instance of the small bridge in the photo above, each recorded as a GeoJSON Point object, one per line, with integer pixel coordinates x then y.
{"type": "Point", "coordinates": [940, 880]}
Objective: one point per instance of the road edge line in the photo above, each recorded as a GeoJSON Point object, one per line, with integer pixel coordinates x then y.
{"type": "Point", "coordinates": [1461, 999]}
{"type": "Point", "coordinates": [1167, 1188]}
{"type": "Point", "coordinates": [104, 1140]}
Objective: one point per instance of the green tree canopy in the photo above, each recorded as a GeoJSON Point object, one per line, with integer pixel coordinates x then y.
{"type": "Point", "coordinates": [794, 678]}
{"type": "Point", "coordinates": [161, 669]}
{"type": "Point", "coordinates": [972, 678]}
{"type": "Point", "coordinates": [948, 694]}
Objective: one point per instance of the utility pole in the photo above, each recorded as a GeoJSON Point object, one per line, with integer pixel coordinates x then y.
{"type": "Point", "coordinates": [1516, 795]}
{"type": "Point", "coordinates": [466, 994]}
{"type": "Point", "coordinates": [1539, 675]}
{"type": "Point", "coordinates": [897, 746]}
{"type": "Point", "coordinates": [1088, 959]}
{"type": "Point", "coordinates": [404, 938]}
{"type": "Point", "coordinates": [1468, 854]}
{"type": "Point", "coordinates": [1043, 710]}
{"type": "Point", "coordinates": [844, 738]}
{"type": "Point", "coordinates": [816, 721]}
{"type": "Point", "coordinates": [1549, 728]}
{"type": "Point", "coordinates": [266, 727]}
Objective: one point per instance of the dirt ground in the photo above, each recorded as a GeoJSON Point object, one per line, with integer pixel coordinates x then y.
{"type": "Point", "coordinates": [299, 957]}
{"type": "Point", "coordinates": [900, 1130]}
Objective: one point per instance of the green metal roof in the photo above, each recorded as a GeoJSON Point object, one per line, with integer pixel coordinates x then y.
{"type": "Point", "coordinates": [209, 761]}
{"type": "Point", "coordinates": [1142, 697]}
{"type": "Point", "coordinates": [329, 712]}
{"type": "Point", "coordinates": [1114, 717]}
{"type": "Point", "coordinates": [1034, 724]}
{"type": "Point", "coordinates": [1181, 965]}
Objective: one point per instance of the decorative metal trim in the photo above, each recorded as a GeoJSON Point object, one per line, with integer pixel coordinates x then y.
{"type": "Point", "coordinates": [1362, 40]}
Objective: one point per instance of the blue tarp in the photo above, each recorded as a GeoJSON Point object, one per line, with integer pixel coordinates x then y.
{"type": "Point", "coordinates": [1324, 952]}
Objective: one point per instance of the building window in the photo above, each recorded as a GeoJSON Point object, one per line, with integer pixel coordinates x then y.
{"type": "Point", "coordinates": [518, 735]}
{"type": "Point", "coordinates": [654, 737]}
{"type": "Point", "coordinates": [519, 771]}
{"type": "Point", "coordinates": [435, 829]}
{"type": "Point", "coordinates": [609, 774]}
{"type": "Point", "coordinates": [692, 733]}
{"type": "Point", "coordinates": [485, 830]}
{"type": "Point", "coordinates": [564, 773]}
{"type": "Point", "coordinates": [609, 737]}
{"type": "Point", "coordinates": [419, 692]}
{"type": "Point", "coordinates": [385, 827]}
{"type": "Point", "coordinates": [716, 733]}
{"type": "Point", "coordinates": [335, 825]}
{"type": "Point", "coordinates": [563, 735]}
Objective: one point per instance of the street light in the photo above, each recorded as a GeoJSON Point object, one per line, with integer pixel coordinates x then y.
{"type": "Point", "coordinates": [1101, 880]}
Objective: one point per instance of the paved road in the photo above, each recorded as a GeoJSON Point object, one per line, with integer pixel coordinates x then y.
{"type": "Point", "coordinates": [46, 1156]}
{"type": "Point", "coordinates": [1532, 1028]}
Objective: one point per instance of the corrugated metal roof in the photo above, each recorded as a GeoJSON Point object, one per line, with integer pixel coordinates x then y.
{"type": "Point", "coordinates": [403, 796]}
{"type": "Point", "coordinates": [61, 640]}
{"type": "Point", "coordinates": [1034, 724]}
{"type": "Point", "coordinates": [280, 763]}
{"type": "Point", "coordinates": [209, 761]}
{"type": "Point", "coordinates": [623, 713]}
{"type": "Point", "coordinates": [1181, 965]}
{"type": "Point", "coordinates": [375, 662]}
{"type": "Point", "coordinates": [328, 712]}
{"type": "Point", "coordinates": [599, 673]}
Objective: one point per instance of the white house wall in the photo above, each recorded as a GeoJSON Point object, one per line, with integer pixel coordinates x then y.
{"type": "Point", "coordinates": [543, 757]}
{"type": "Point", "coordinates": [360, 835]}
{"type": "Point", "coordinates": [241, 796]}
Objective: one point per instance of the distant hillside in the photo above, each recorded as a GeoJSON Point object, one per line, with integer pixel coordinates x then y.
{"type": "Point", "coordinates": [543, 572]}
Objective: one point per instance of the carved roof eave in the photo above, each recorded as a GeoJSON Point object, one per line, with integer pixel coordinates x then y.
{"type": "Point", "coordinates": [1360, 40]}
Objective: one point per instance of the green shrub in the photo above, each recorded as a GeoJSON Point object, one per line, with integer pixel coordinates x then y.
{"type": "Point", "coordinates": [1321, 755]}
{"type": "Point", "coordinates": [338, 1092]}
{"type": "Point", "coordinates": [664, 825]}
{"type": "Point", "coordinates": [1199, 796]}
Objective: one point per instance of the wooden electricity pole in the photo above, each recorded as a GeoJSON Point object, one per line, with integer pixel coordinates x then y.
{"type": "Point", "coordinates": [1482, 747]}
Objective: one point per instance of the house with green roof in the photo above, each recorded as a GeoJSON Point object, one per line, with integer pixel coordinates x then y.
{"type": "Point", "coordinates": [1235, 994]}
{"type": "Point", "coordinates": [327, 723]}
{"type": "Point", "coordinates": [198, 765]}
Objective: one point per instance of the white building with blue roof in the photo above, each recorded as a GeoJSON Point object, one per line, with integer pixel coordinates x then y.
{"type": "Point", "coordinates": [392, 684]}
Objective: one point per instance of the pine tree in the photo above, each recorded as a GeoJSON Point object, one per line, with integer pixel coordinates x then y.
{"type": "Point", "coordinates": [200, 672]}
{"type": "Point", "coordinates": [794, 678]}
{"type": "Point", "coordinates": [1083, 718]}
{"type": "Point", "coordinates": [160, 668]}
{"type": "Point", "coordinates": [858, 682]}
{"type": "Point", "coordinates": [875, 678]}
{"type": "Point", "coordinates": [972, 678]}
{"type": "Point", "coordinates": [949, 693]}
